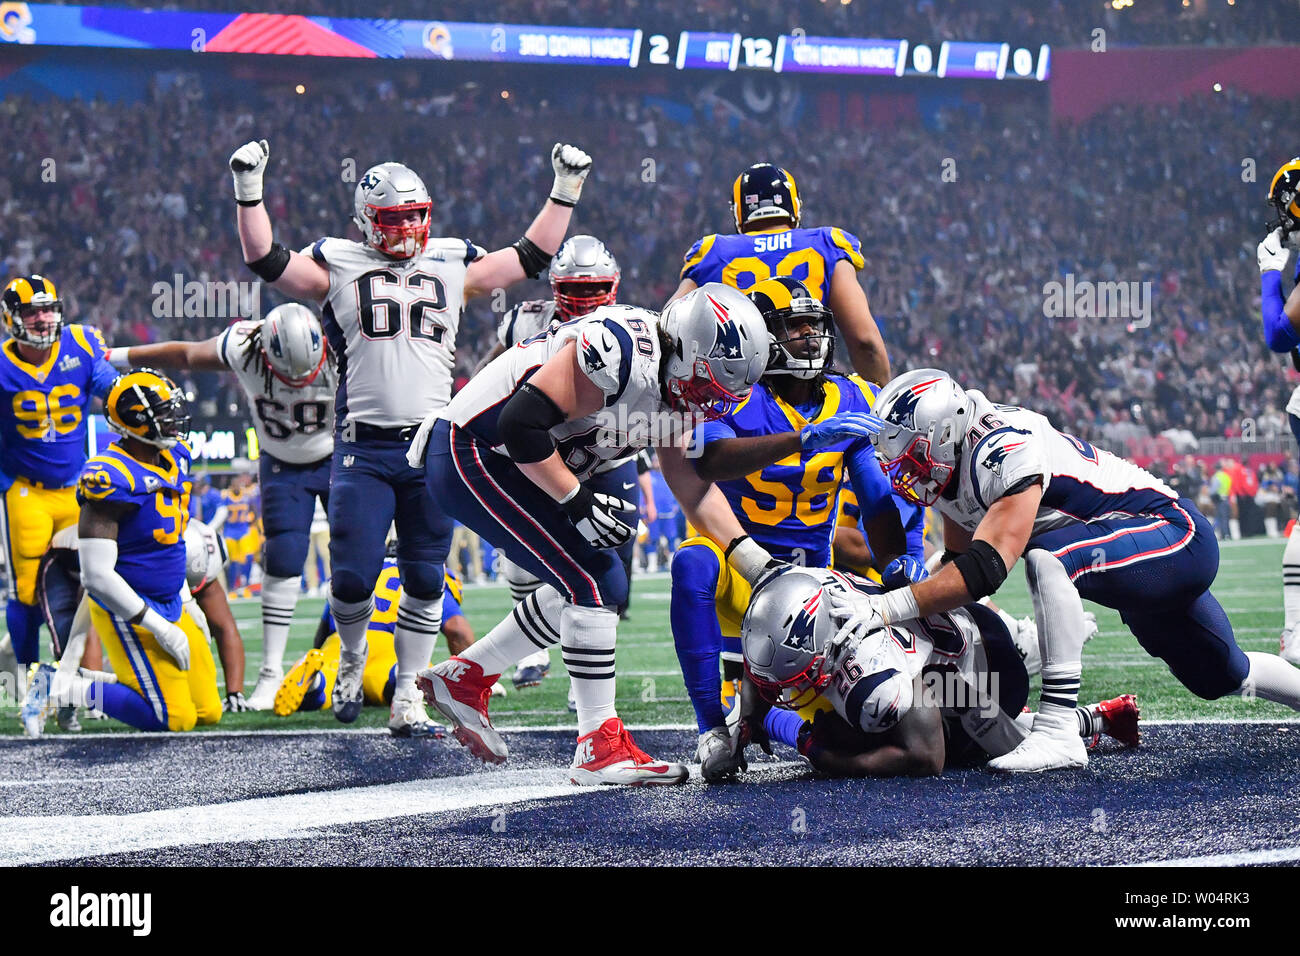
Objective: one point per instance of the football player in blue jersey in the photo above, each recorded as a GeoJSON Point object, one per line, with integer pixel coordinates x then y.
{"type": "Point", "coordinates": [769, 242]}
{"type": "Point", "coordinates": [49, 372]}
{"type": "Point", "coordinates": [780, 458]}
{"type": "Point", "coordinates": [134, 507]}
{"type": "Point", "coordinates": [1282, 332]}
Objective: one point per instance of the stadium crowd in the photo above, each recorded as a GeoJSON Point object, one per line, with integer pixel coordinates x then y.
{"type": "Point", "coordinates": [958, 254]}
{"type": "Point", "coordinates": [1059, 22]}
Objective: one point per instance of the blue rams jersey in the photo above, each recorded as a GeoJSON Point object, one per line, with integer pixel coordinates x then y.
{"type": "Point", "coordinates": [745, 259]}
{"type": "Point", "coordinates": [204, 506]}
{"type": "Point", "coordinates": [43, 407]}
{"type": "Point", "coordinates": [151, 531]}
{"type": "Point", "coordinates": [242, 509]}
{"type": "Point", "coordinates": [791, 507]}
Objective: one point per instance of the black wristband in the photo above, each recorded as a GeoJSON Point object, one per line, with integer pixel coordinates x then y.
{"type": "Point", "coordinates": [562, 202]}
{"type": "Point", "coordinates": [949, 556]}
{"type": "Point", "coordinates": [248, 202]}
{"type": "Point", "coordinates": [531, 257]}
{"type": "Point", "coordinates": [272, 265]}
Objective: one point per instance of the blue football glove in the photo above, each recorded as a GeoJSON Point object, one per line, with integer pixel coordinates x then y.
{"type": "Point", "coordinates": [838, 428]}
{"type": "Point", "coordinates": [903, 571]}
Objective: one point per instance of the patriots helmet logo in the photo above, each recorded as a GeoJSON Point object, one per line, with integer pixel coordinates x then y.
{"type": "Point", "coordinates": [799, 635]}
{"type": "Point", "coordinates": [994, 459]}
{"type": "Point", "coordinates": [726, 339]}
{"type": "Point", "coordinates": [903, 414]}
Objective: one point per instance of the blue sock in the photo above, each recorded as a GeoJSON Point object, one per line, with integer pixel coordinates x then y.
{"type": "Point", "coordinates": [694, 619]}
{"type": "Point", "coordinates": [122, 703]}
{"type": "Point", "coordinates": [314, 699]}
{"type": "Point", "coordinates": [24, 623]}
{"type": "Point", "coordinates": [783, 725]}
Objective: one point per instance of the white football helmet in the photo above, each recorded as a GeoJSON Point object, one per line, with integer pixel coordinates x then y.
{"type": "Point", "coordinates": [293, 344]}
{"type": "Point", "coordinates": [205, 554]}
{"type": "Point", "coordinates": [924, 416]}
{"type": "Point", "coordinates": [785, 633]}
{"type": "Point", "coordinates": [391, 208]}
{"type": "Point", "coordinates": [718, 349]}
{"type": "Point", "coordinates": [584, 276]}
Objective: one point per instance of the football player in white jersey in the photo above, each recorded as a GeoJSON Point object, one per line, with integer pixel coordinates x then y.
{"type": "Point", "coordinates": [283, 367]}
{"type": "Point", "coordinates": [391, 306]}
{"type": "Point", "coordinates": [1087, 523]}
{"type": "Point", "coordinates": [509, 457]}
{"type": "Point", "coordinates": [905, 700]}
{"type": "Point", "coordinates": [584, 276]}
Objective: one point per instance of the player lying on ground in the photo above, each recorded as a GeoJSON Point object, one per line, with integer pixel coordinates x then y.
{"type": "Point", "coordinates": [391, 308]}
{"type": "Point", "coordinates": [779, 458]}
{"type": "Point", "coordinates": [309, 683]}
{"type": "Point", "coordinates": [66, 606]}
{"type": "Point", "coordinates": [906, 700]}
{"type": "Point", "coordinates": [134, 500]}
{"type": "Point", "coordinates": [284, 369]}
{"type": "Point", "coordinates": [1087, 523]}
{"type": "Point", "coordinates": [1282, 333]}
{"type": "Point", "coordinates": [50, 373]}
{"type": "Point", "coordinates": [509, 456]}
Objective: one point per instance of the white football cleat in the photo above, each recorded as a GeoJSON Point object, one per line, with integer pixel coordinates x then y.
{"type": "Point", "coordinates": [263, 695]}
{"type": "Point", "coordinates": [1290, 648]}
{"type": "Point", "coordinates": [609, 755]}
{"type": "Point", "coordinates": [348, 696]}
{"type": "Point", "coordinates": [719, 755]}
{"type": "Point", "coordinates": [1051, 745]}
{"type": "Point", "coordinates": [460, 690]}
{"type": "Point", "coordinates": [407, 717]}
{"type": "Point", "coordinates": [17, 682]}
{"type": "Point", "coordinates": [498, 689]}
{"type": "Point", "coordinates": [36, 701]}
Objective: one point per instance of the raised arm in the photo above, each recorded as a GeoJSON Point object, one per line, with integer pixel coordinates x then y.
{"type": "Point", "coordinates": [292, 273]}
{"type": "Point", "coordinates": [528, 256]}
{"type": "Point", "coordinates": [194, 356]}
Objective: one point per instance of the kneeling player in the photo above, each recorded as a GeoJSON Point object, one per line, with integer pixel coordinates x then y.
{"type": "Point", "coordinates": [905, 700]}
{"type": "Point", "coordinates": [134, 506]}
{"type": "Point", "coordinates": [309, 685]}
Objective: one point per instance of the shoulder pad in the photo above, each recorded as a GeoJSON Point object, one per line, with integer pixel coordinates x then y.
{"type": "Point", "coordinates": [605, 356]}
{"type": "Point", "coordinates": [1002, 458]}
{"type": "Point", "coordinates": [106, 478]}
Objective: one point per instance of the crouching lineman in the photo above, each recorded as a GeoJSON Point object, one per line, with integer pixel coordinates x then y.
{"type": "Point", "coordinates": [508, 457]}
{"type": "Point", "coordinates": [904, 700]}
{"type": "Point", "coordinates": [780, 459]}
{"type": "Point", "coordinates": [283, 366]}
{"type": "Point", "coordinates": [134, 505]}
{"type": "Point", "coordinates": [1087, 523]}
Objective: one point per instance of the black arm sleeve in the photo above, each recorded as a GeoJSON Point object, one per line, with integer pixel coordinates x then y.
{"type": "Point", "coordinates": [982, 568]}
{"type": "Point", "coordinates": [531, 256]}
{"type": "Point", "coordinates": [525, 424]}
{"type": "Point", "coordinates": [272, 265]}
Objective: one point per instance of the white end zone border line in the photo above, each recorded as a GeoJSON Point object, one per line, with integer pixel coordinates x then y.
{"type": "Point", "coordinates": [526, 729]}
{"type": "Point", "coordinates": [1284, 854]}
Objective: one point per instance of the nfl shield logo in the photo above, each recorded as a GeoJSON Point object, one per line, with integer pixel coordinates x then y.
{"type": "Point", "coordinates": [348, 460]}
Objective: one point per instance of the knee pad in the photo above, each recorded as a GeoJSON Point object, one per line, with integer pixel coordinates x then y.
{"type": "Point", "coordinates": [594, 628]}
{"type": "Point", "coordinates": [422, 579]}
{"type": "Point", "coordinates": [286, 553]}
{"type": "Point", "coordinates": [349, 587]}
{"type": "Point", "coordinates": [695, 570]}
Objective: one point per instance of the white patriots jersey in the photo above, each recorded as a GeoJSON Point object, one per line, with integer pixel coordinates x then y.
{"type": "Point", "coordinates": [948, 652]}
{"type": "Point", "coordinates": [618, 350]}
{"type": "Point", "coordinates": [392, 324]}
{"type": "Point", "coordinates": [1007, 445]}
{"type": "Point", "coordinates": [295, 425]}
{"type": "Point", "coordinates": [526, 320]}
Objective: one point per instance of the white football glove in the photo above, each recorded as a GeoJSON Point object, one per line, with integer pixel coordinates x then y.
{"type": "Point", "coordinates": [248, 164]}
{"type": "Point", "coordinates": [858, 615]}
{"type": "Point", "coordinates": [172, 639]}
{"type": "Point", "coordinates": [571, 168]}
{"type": "Point", "coordinates": [595, 517]}
{"type": "Point", "coordinates": [1272, 253]}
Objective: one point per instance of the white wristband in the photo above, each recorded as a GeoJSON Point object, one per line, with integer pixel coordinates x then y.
{"type": "Point", "coordinates": [749, 558]}
{"type": "Point", "coordinates": [899, 605]}
{"type": "Point", "coordinates": [119, 358]}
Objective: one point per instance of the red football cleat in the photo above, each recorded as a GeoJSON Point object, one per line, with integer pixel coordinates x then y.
{"type": "Point", "coordinates": [609, 755]}
{"type": "Point", "coordinates": [460, 691]}
{"type": "Point", "coordinates": [1121, 715]}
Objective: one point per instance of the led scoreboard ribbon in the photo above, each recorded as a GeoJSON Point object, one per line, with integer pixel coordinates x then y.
{"type": "Point", "coordinates": [294, 35]}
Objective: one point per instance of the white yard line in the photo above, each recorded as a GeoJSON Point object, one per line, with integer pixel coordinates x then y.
{"type": "Point", "coordinates": [1284, 854]}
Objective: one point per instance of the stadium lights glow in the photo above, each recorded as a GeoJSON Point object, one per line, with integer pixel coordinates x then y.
{"type": "Point", "coordinates": [505, 94]}
{"type": "Point", "coordinates": [300, 89]}
{"type": "Point", "coordinates": [1218, 87]}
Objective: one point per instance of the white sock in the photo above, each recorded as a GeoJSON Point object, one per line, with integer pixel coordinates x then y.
{"type": "Point", "coordinates": [279, 597]}
{"type": "Point", "coordinates": [1273, 679]}
{"type": "Point", "coordinates": [351, 621]}
{"type": "Point", "coordinates": [1291, 578]}
{"type": "Point", "coordinates": [588, 635]}
{"type": "Point", "coordinates": [1234, 529]}
{"type": "Point", "coordinates": [534, 625]}
{"type": "Point", "coordinates": [418, 621]}
{"type": "Point", "coordinates": [1058, 612]}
